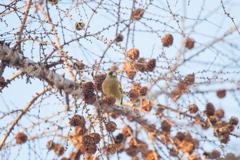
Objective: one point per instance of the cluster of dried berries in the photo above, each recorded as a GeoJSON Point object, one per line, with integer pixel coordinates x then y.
{"type": "Point", "coordinates": [119, 38]}
{"type": "Point", "coordinates": [141, 90]}
{"type": "Point", "coordinates": [79, 26]}
{"type": "Point", "coordinates": [221, 93]}
{"type": "Point", "coordinates": [108, 100]}
{"type": "Point", "coordinates": [99, 80]}
{"type": "Point", "coordinates": [111, 148]}
{"type": "Point", "coordinates": [167, 40]}
{"type": "Point", "coordinates": [137, 14]}
{"type": "Point", "coordinates": [87, 90]}
{"type": "Point", "coordinates": [77, 120]}
{"type": "Point", "coordinates": [189, 43]}
{"type": "Point", "coordinates": [111, 126]}
{"type": "Point", "coordinates": [90, 141]}
{"type": "Point", "coordinates": [140, 65]}
{"type": "Point", "coordinates": [21, 138]}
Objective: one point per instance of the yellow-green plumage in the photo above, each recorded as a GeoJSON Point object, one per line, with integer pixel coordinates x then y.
{"type": "Point", "coordinates": [111, 86]}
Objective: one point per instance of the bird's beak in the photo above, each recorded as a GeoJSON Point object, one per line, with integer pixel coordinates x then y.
{"type": "Point", "coordinates": [114, 74]}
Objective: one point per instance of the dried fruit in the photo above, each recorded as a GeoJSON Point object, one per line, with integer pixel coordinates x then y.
{"type": "Point", "coordinates": [99, 80]}
{"type": "Point", "coordinates": [219, 113]}
{"type": "Point", "coordinates": [91, 149]}
{"type": "Point", "coordinates": [137, 14]}
{"type": "Point", "coordinates": [88, 140]}
{"type": "Point", "coordinates": [165, 126]}
{"type": "Point", "coordinates": [215, 154]}
{"type": "Point", "coordinates": [132, 151]}
{"type": "Point", "coordinates": [193, 108]}
{"type": "Point", "coordinates": [167, 41]}
{"type": "Point", "coordinates": [140, 65]}
{"type": "Point", "coordinates": [210, 109]}
{"type": "Point", "coordinates": [119, 138]}
{"type": "Point", "coordinates": [133, 94]}
{"type": "Point", "coordinates": [119, 38]}
{"type": "Point", "coordinates": [150, 65]}
{"type": "Point", "coordinates": [50, 145]}
{"type": "Point", "coordinates": [111, 126]}
{"type": "Point", "coordinates": [221, 93]}
{"type": "Point", "coordinates": [59, 150]}
{"type": "Point", "coordinates": [189, 43]}
{"type": "Point", "coordinates": [79, 26]}
{"type": "Point", "coordinates": [96, 137]}
{"type": "Point", "coordinates": [233, 120]}
{"type": "Point", "coordinates": [143, 91]}
{"type": "Point", "coordinates": [108, 100]}
{"type": "Point", "coordinates": [21, 138]}
{"type": "Point", "coordinates": [189, 79]}
{"type": "Point", "coordinates": [77, 120]}
{"type": "Point", "coordinates": [133, 54]}
{"type": "Point", "coordinates": [180, 136]}
{"type": "Point", "coordinates": [88, 88]}
{"type": "Point", "coordinates": [90, 98]}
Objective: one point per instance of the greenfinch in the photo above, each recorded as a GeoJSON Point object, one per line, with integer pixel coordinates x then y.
{"type": "Point", "coordinates": [111, 86]}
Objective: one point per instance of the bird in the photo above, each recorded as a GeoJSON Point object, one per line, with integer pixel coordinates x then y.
{"type": "Point", "coordinates": [111, 86]}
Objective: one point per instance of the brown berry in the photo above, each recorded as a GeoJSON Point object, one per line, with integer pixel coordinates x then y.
{"type": "Point", "coordinates": [165, 126]}
{"type": "Point", "coordinates": [137, 14]}
{"type": "Point", "coordinates": [50, 145]}
{"type": "Point", "coordinates": [90, 98]}
{"type": "Point", "coordinates": [77, 120]}
{"type": "Point", "coordinates": [126, 132]}
{"type": "Point", "coordinates": [233, 120]}
{"type": "Point", "coordinates": [221, 93]}
{"type": "Point", "coordinates": [111, 126]}
{"type": "Point", "coordinates": [150, 65]}
{"type": "Point", "coordinates": [59, 150]}
{"type": "Point", "coordinates": [79, 26]}
{"type": "Point", "coordinates": [88, 88]}
{"type": "Point", "coordinates": [133, 94]}
{"type": "Point", "coordinates": [99, 80]}
{"type": "Point", "coordinates": [189, 43]}
{"type": "Point", "coordinates": [219, 113]}
{"type": "Point", "coordinates": [21, 138]}
{"type": "Point", "coordinates": [167, 41]}
{"type": "Point", "coordinates": [193, 108]}
{"type": "Point", "coordinates": [140, 65]}
{"type": "Point", "coordinates": [91, 149]}
{"type": "Point", "coordinates": [215, 154]}
{"type": "Point", "coordinates": [111, 149]}
{"type": "Point", "coordinates": [210, 109]}
{"type": "Point", "coordinates": [119, 38]}
{"type": "Point", "coordinates": [133, 54]}
{"type": "Point", "coordinates": [108, 100]}
{"type": "Point", "coordinates": [143, 91]}
{"type": "Point", "coordinates": [189, 79]}
{"type": "Point", "coordinates": [87, 140]}
{"type": "Point", "coordinates": [180, 136]}
{"type": "Point", "coordinates": [96, 137]}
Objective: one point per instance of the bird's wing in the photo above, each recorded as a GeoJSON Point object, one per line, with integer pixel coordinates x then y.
{"type": "Point", "coordinates": [120, 88]}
